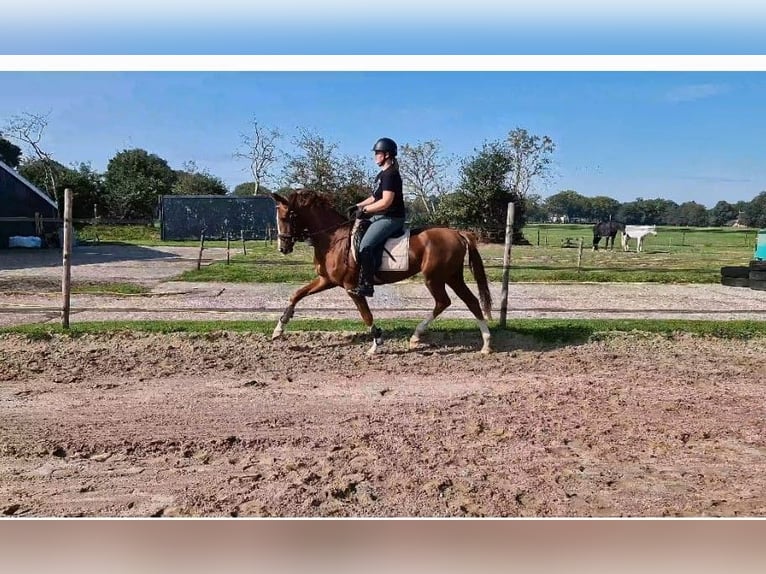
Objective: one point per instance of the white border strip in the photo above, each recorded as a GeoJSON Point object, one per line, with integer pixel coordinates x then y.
{"type": "Point", "coordinates": [377, 62]}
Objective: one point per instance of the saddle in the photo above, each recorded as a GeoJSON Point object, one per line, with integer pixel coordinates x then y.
{"type": "Point", "coordinates": [395, 255]}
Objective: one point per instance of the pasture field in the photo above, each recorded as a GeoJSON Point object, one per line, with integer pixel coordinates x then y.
{"type": "Point", "coordinates": [674, 255]}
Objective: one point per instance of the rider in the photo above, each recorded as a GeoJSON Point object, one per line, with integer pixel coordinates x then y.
{"type": "Point", "coordinates": [385, 210]}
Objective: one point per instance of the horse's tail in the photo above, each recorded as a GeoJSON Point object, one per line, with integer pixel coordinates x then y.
{"type": "Point", "coordinates": [476, 265]}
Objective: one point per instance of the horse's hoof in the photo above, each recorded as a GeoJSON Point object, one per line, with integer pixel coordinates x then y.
{"type": "Point", "coordinates": [414, 344]}
{"type": "Point", "coordinates": [485, 351]}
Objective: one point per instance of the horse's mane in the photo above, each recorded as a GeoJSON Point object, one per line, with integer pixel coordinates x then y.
{"type": "Point", "coordinates": [305, 198]}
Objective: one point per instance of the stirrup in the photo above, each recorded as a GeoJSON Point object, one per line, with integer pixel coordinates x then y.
{"type": "Point", "coordinates": [362, 290]}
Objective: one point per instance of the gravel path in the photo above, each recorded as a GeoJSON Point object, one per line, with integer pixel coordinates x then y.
{"type": "Point", "coordinates": [225, 301]}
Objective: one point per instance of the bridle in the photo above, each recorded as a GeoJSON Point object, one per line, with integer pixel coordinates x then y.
{"type": "Point", "coordinates": [304, 234]}
{"type": "Point", "coordinates": [291, 218]}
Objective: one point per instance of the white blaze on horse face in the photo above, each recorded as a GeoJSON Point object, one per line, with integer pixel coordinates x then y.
{"type": "Point", "coordinates": [279, 233]}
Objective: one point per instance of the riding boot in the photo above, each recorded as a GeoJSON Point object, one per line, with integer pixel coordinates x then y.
{"type": "Point", "coordinates": [366, 273]}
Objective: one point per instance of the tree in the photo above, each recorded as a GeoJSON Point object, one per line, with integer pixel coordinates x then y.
{"type": "Point", "coordinates": [28, 129]}
{"type": "Point", "coordinates": [354, 182]}
{"type": "Point", "coordinates": [260, 150]}
{"type": "Point", "coordinates": [755, 211]}
{"type": "Point", "coordinates": [317, 166]}
{"type": "Point", "coordinates": [569, 203]}
{"type": "Point", "coordinates": [245, 189]}
{"type": "Point", "coordinates": [134, 182]}
{"type": "Point", "coordinates": [314, 166]}
{"type": "Point", "coordinates": [535, 208]}
{"type": "Point", "coordinates": [10, 154]}
{"type": "Point", "coordinates": [483, 195]}
{"type": "Point", "coordinates": [722, 213]}
{"type": "Point", "coordinates": [692, 214]}
{"type": "Point", "coordinates": [192, 181]}
{"type": "Point", "coordinates": [423, 173]}
{"type": "Point", "coordinates": [86, 184]}
{"type": "Point", "coordinates": [648, 212]}
{"type": "Point", "coordinates": [603, 208]}
{"type": "Point", "coordinates": [530, 158]}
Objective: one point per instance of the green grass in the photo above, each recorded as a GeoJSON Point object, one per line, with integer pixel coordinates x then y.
{"type": "Point", "coordinates": [137, 235]}
{"type": "Point", "coordinates": [674, 255]}
{"type": "Point", "coordinates": [544, 330]}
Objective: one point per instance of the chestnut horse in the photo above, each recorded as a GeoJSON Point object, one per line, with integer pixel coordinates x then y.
{"type": "Point", "coordinates": [436, 252]}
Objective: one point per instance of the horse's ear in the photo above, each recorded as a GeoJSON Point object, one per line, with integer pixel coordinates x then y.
{"type": "Point", "coordinates": [279, 199]}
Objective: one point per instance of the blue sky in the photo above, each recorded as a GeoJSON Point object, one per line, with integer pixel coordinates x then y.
{"type": "Point", "coordinates": [678, 135]}
{"type": "Point", "coordinates": [681, 135]}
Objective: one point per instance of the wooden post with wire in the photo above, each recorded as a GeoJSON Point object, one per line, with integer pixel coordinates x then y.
{"type": "Point", "coordinates": [506, 263]}
{"type": "Point", "coordinates": [66, 279]}
{"type": "Point", "coordinates": [201, 248]}
{"type": "Point", "coordinates": [579, 254]}
{"type": "Point", "coordinates": [242, 236]}
{"type": "Point", "coordinates": [228, 246]}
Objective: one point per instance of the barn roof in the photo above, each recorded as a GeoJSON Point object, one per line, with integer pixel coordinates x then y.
{"type": "Point", "coordinates": [28, 184]}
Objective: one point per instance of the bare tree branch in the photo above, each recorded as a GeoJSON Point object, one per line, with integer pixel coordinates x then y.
{"type": "Point", "coordinates": [28, 129]}
{"type": "Point", "coordinates": [259, 148]}
{"type": "Point", "coordinates": [423, 172]}
{"type": "Point", "coordinates": [530, 159]}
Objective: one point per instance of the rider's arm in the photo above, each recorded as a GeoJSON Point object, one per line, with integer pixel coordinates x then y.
{"type": "Point", "coordinates": [366, 202]}
{"type": "Point", "coordinates": [382, 204]}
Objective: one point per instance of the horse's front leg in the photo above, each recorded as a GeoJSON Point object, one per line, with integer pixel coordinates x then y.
{"type": "Point", "coordinates": [318, 284]}
{"type": "Point", "coordinates": [364, 311]}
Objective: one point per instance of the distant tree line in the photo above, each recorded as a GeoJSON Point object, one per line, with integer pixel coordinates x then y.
{"type": "Point", "coordinates": [497, 173]}
{"type": "Point", "coordinates": [573, 207]}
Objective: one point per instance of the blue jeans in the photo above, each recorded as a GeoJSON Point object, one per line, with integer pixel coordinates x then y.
{"type": "Point", "coordinates": [381, 228]}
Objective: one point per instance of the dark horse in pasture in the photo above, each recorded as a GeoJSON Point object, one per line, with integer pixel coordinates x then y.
{"type": "Point", "coordinates": [606, 229]}
{"type": "Point", "coordinates": [436, 252]}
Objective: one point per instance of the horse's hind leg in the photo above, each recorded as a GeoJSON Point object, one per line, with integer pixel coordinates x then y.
{"type": "Point", "coordinates": [457, 284]}
{"type": "Point", "coordinates": [442, 301]}
{"type": "Point", "coordinates": [317, 284]}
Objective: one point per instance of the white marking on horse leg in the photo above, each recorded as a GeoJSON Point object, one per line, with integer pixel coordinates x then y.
{"type": "Point", "coordinates": [377, 339]}
{"type": "Point", "coordinates": [486, 336]}
{"type": "Point", "coordinates": [278, 330]}
{"type": "Point", "coordinates": [419, 330]}
{"type": "Point", "coordinates": [283, 320]}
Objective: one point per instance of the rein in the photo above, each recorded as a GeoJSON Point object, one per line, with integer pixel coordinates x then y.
{"type": "Point", "coordinates": [305, 234]}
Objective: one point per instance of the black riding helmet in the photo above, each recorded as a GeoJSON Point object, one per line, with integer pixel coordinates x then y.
{"type": "Point", "coordinates": [385, 145]}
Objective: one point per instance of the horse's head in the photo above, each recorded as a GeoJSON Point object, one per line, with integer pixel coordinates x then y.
{"type": "Point", "coordinates": [288, 228]}
{"type": "Point", "coordinates": [303, 213]}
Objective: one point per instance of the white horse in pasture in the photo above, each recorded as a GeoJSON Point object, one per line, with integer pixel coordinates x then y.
{"type": "Point", "coordinates": [637, 232]}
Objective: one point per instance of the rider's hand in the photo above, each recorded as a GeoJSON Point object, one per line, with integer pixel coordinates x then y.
{"type": "Point", "coordinates": [362, 214]}
{"type": "Point", "coordinates": [352, 211]}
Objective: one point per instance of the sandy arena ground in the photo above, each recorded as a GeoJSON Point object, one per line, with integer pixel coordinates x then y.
{"type": "Point", "coordinates": [235, 425]}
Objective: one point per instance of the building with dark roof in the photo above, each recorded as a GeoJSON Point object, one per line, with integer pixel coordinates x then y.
{"type": "Point", "coordinates": [20, 201]}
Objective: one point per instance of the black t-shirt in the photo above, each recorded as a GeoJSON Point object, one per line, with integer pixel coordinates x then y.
{"type": "Point", "coordinates": [390, 180]}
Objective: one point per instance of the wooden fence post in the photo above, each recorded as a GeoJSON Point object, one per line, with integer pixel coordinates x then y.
{"type": "Point", "coordinates": [579, 254]}
{"type": "Point", "coordinates": [66, 279]}
{"type": "Point", "coordinates": [228, 246]}
{"type": "Point", "coordinates": [506, 263]}
{"type": "Point", "coordinates": [242, 236]}
{"type": "Point", "coordinates": [201, 247]}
